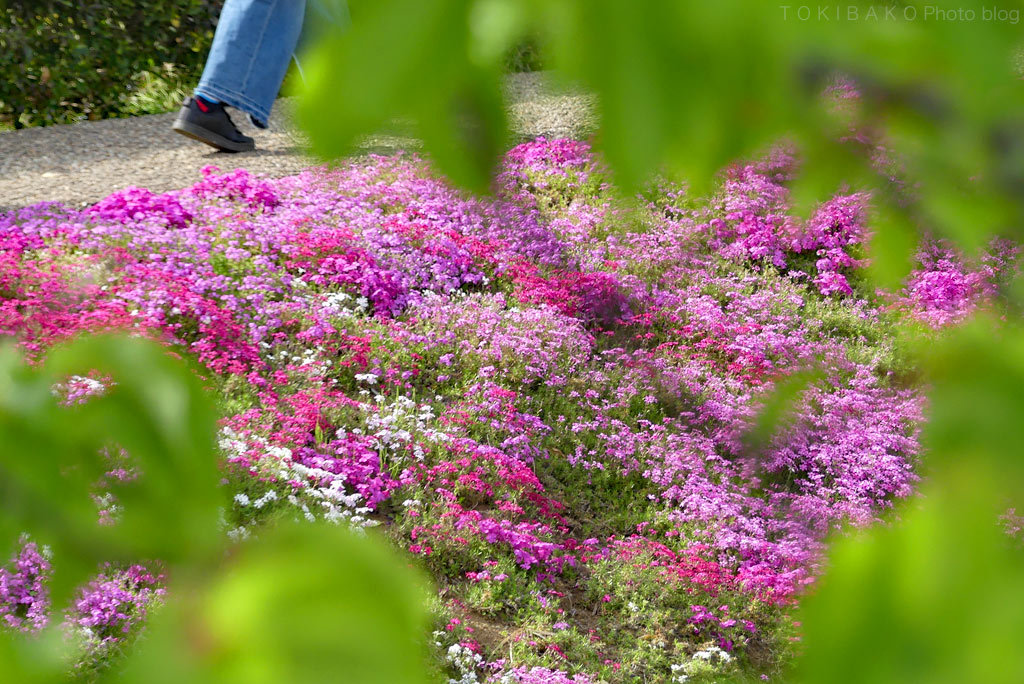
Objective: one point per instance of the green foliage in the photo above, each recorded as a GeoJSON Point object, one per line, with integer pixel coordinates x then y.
{"type": "Point", "coordinates": [892, 248]}
{"type": "Point", "coordinates": [393, 64]}
{"type": "Point", "coordinates": [65, 60]}
{"type": "Point", "coordinates": [777, 409]}
{"type": "Point", "coordinates": [602, 503]}
{"type": "Point", "coordinates": [308, 601]}
{"type": "Point", "coordinates": [159, 92]}
{"type": "Point", "coordinates": [158, 412]}
{"type": "Point", "coordinates": [940, 596]}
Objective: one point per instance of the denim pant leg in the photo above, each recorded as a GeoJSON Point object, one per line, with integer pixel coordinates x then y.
{"type": "Point", "coordinates": [251, 49]}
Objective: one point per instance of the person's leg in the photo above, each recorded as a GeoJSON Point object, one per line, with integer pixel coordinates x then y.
{"type": "Point", "coordinates": [251, 50]}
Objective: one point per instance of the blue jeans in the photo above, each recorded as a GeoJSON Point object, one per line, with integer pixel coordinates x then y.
{"type": "Point", "coordinates": [253, 44]}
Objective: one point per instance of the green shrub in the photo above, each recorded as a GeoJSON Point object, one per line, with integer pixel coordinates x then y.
{"type": "Point", "coordinates": [158, 92]}
{"type": "Point", "coordinates": [67, 60]}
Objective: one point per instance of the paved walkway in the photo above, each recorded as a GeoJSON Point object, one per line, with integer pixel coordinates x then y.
{"type": "Point", "coordinates": [81, 163]}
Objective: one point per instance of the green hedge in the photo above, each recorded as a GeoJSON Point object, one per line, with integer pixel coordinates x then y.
{"type": "Point", "coordinates": [67, 60]}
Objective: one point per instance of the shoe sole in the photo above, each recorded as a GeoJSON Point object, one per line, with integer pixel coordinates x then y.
{"type": "Point", "coordinates": [190, 130]}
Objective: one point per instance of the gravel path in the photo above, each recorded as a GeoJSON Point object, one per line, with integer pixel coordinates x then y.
{"type": "Point", "coordinates": [81, 163]}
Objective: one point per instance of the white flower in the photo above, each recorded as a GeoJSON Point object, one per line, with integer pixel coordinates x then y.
{"type": "Point", "coordinates": [242, 499]}
{"type": "Point", "coordinates": [271, 495]}
{"type": "Point", "coordinates": [282, 453]}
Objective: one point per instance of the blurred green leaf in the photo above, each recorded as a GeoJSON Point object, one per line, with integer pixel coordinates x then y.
{"type": "Point", "coordinates": [893, 240]}
{"type": "Point", "coordinates": [304, 603]}
{"type": "Point", "coordinates": [777, 407]}
{"type": "Point", "coordinates": [828, 167]}
{"type": "Point", "coordinates": [51, 460]}
{"type": "Point", "coordinates": [671, 93]}
{"type": "Point", "coordinates": [43, 658]}
{"type": "Point", "coordinates": [977, 400]}
{"type": "Point", "coordinates": [939, 596]}
{"type": "Point", "coordinates": [159, 412]}
{"type": "Point", "coordinates": [495, 26]}
{"type": "Point", "coordinates": [408, 59]}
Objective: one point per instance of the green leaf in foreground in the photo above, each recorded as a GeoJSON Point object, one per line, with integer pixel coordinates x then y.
{"type": "Point", "coordinates": [977, 401]}
{"type": "Point", "coordinates": [778, 407]}
{"type": "Point", "coordinates": [51, 460]}
{"type": "Point", "coordinates": [422, 70]}
{"type": "Point", "coordinates": [938, 597]}
{"type": "Point", "coordinates": [304, 603]}
{"type": "Point", "coordinates": [892, 246]}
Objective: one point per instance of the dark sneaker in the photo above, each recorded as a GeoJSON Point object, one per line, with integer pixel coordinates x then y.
{"type": "Point", "coordinates": [210, 123]}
